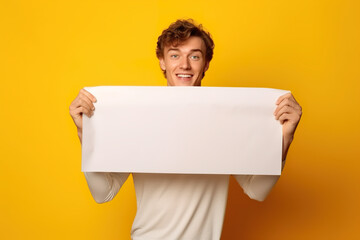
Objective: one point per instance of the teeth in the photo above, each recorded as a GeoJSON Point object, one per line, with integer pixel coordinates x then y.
{"type": "Point", "coordinates": [184, 75]}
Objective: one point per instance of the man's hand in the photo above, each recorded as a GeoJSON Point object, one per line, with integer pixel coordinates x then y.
{"type": "Point", "coordinates": [82, 104]}
{"type": "Point", "coordinates": [288, 112]}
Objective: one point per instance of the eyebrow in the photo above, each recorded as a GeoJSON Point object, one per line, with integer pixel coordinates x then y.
{"type": "Point", "coordinates": [192, 50]}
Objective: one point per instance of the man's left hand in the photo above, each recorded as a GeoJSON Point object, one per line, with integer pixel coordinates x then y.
{"type": "Point", "coordinates": [288, 112]}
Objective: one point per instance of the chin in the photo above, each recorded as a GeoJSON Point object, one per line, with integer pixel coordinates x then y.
{"type": "Point", "coordinates": [184, 84]}
{"type": "Point", "coordinates": [179, 83]}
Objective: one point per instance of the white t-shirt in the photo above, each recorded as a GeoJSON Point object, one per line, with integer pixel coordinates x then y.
{"type": "Point", "coordinates": [178, 206]}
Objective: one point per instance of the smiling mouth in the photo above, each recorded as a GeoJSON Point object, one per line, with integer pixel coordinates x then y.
{"type": "Point", "coordinates": [184, 76]}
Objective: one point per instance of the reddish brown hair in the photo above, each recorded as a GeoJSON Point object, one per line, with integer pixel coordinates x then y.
{"type": "Point", "coordinates": [179, 32]}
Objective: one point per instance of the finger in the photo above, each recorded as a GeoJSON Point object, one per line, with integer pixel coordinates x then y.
{"type": "Point", "coordinates": [89, 95]}
{"type": "Point", "coordinates": [287, 97]}
{"type": "Point", "coordinates": [83, 101]}
{"type": "Point", "coordinates": [84, 110]}
{"type": "Point", "coordinates": [287, 102]}
{"type": "Point", "coordinates": [290, 110]}
{"type": "Point", "coordinates": [284, 117]}
{"type": "Point", "coordinates": [285, 109]}
{"type": "Point", "coordinates": [291, 117]}
{"type": "Point", "coordinates": [76, 113]}
{"type": "Point", "coordinates": [282, 97]}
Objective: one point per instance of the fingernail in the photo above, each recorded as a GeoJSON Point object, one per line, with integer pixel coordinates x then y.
{"type": "Point", "coordinates": [93, 108]}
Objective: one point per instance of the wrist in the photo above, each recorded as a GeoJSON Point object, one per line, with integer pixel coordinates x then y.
{"type": "Point", "coordinates": [79, 131]}
{"type": "Point", "coordinates": [288, 138]}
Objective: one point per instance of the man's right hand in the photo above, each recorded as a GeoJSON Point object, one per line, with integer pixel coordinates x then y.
{"type": "Point", "coordinates": [82, 104]}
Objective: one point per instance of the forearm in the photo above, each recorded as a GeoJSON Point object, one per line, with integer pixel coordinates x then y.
{"type": "Point", "coordinates": [79, 131]}
{"type": "Point", "coordinates": [258, 187]}
{"type": "Point", "coordinates": [104, 185]}
{"type": "Point", "coordinates": [287, 140]}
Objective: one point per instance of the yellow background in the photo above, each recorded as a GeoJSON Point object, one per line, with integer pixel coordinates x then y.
{"type": "Point", "coordinates": [51, 49]}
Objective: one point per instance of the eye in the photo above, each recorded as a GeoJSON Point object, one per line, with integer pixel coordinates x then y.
{"type": "Point", "coordinates": [174, 56]}
{"type": "Point", "coordinates": [194, 57]}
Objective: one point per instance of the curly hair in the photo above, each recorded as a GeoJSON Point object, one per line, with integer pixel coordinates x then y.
{"type": "Point", "coordinates": [179, 32]}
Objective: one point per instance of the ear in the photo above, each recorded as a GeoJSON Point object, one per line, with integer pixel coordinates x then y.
{"type": "Point", "coordinates": [162, 64]}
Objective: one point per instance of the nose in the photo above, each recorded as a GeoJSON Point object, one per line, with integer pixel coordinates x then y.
{"type": "Point", "coordinates": [185, 63]}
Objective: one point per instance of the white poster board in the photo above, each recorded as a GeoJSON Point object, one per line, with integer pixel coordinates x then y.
{"type": "Point", "coordinates": [195, 130]}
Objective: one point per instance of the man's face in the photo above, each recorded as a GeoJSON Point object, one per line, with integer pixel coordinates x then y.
{"type": "Point", "coordinates": [185, 63]}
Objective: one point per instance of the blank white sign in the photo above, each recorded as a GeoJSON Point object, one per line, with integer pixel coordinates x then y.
{"type": "Point", "coordinates": [195, 130]}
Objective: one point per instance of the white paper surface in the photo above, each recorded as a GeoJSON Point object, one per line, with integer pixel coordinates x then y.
{"type": "Point", "coordinates": [199, 130]}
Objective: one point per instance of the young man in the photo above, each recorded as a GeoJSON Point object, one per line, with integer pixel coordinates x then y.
{"type": "Point", "coordinates": [183, 206]}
